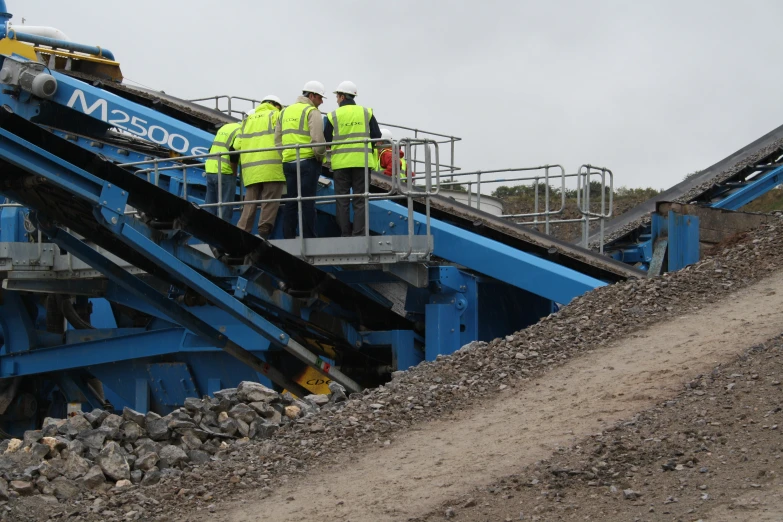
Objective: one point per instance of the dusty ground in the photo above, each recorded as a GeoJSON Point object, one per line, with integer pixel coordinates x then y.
{"type": "Point", "coordinates": [442, 461]}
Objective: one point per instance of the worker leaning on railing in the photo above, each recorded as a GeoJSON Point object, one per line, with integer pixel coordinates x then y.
{"type": "Point", "coordinates": [227, 185]}
{"type": "Point", "coordinates": [300, 124]}
{"type": "Point", "coordinates": [350, 122]}
{"type": "Point", "coordinates": [384, 156]}
{"type": "Point", "coordinates": [262, 171]}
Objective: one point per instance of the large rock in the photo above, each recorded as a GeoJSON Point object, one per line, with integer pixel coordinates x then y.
{"type": "Point", "coordinates": [92, 439]}
{"type": "Point", "coordinates": [198, 456]}
{"type": "Point", "coordinates": [96, 417]}
{"type": "Point", "coordinates": [228, 394]}
{"type": "Point", "coordinates": [51, 469]}
{"type": "Point", "coordinates": [194, 404]}
{"type": "Point", "coordinates": [112, 421]}
{"type": "Point", "coordinates": [229, 426]}
{"type": "Point", "coordinates": [171, 456]}
{"type": "Point", "coordinates": [39, 451]}
{"type": "Point", "coordinates": [151, 478]}
{"type": "Point", "coordinates": [158, 429]}
{"type": "Point", "coordinates": [23, 487]}
{"type": "Point", "coordinates": [4, 490]}
{"type": "Point", "coordinates": [130, 431]}
{"type": "Point", "coordinates": [74, 426]}
{"type": "Point", "coordinates": [249, 391]}
{"type": "Point", "coordinates": [76, 447]}
{"type": "Point", "coordinates": [113, 463]}
{"type": "Point", "coordinates": [338, 392]}
{"type": "Point", "coordinates": [147, 461]}
{"type": "Point", "coordinates": [13, 446]}
{"type": "Point", "coordinates": [261, 429]}
{"type": "Point", "coordinates": [65, 489]}
{"type": "Point", "coordinates": [75, 466]}
{"type": "Point", "coordinates": [94, 478]}
{"type": "Point", "coordinates": [133, 415]}
{"type": "Point", "coordinates": [243, 412]}
{"type": "Point", "coordinates": [317, 400]}
{"type": "Point", "coordinates": [32, 436]}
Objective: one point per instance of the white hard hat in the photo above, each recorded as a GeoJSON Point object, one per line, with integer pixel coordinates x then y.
{"type": "Point", "coordinates": [272, 98]}
{"type": "Point", "coordinates": [387, 134]}
{"type": "Point", "coordinates": [346, 87]}
{"type": "Point", "coordinates": [315, 87]}
{"type": "Point", "coordinates": [252, 111]}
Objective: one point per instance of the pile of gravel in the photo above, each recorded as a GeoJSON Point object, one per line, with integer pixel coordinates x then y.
{"type": "Point", "coordinates": [100, 451]}
{"type": "Point", "coordinates": [476, 373]}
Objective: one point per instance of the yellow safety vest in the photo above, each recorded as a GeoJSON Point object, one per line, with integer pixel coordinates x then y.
{"type": "Point", "coordinates": [295, 130]}
{"type": "Point", "coordinates": [258, 132]}
{"type": "Point", "coordinates": [351, 122]}
{"type": "Point", "coordinates": [224, 139]}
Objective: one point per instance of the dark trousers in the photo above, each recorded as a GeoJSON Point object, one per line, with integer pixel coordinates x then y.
{"type": "Point", "coordinates": [310, 170]}
{"type": "Point", "coordinates": [346, 180]}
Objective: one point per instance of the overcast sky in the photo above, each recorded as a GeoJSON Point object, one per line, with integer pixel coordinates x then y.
{"type": "Point", "coordinates": [652, 90]}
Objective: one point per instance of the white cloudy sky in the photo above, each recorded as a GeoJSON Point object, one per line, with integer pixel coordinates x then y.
{"type": "Point", "coordinates": [652, 90]}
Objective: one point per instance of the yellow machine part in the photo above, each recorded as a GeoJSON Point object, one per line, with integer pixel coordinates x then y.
{"type": "Point", "coordinates": [82, 63]}
{"type": "Point", "coordinates": [313, 381]}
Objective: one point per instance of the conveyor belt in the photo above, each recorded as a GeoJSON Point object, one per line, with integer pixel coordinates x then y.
{"type": "Point", "coordinates": [77, 214]}
{"type": "Point", "coordinates": [695, 188]}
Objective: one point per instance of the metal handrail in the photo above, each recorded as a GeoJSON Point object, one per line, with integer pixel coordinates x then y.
{"type": "Point", "coordinates": [397, 190]}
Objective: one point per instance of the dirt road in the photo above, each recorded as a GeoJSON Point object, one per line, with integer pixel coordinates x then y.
{"type": "Point", "coordinates": [446, 458]}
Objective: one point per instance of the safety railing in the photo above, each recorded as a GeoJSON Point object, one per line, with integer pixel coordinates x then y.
{"type": "Point", "coordinates": [231, 105]}
{"type": "Point", "coordinates": [228, 104]}
{"type": "Point", "coordinates": [548, 188]}
{"type": "Point", "coordinates": [402, 187]}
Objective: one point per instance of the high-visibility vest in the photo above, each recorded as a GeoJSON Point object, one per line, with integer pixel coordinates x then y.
{"type": "Point", "coordinates": [295, 130]}
{"type": "Point", "coordinates": [351, 122]}
{"type": "Point", "coordinates": [258, 132]}
{"type": "Point", "coordinates": [223, 140]}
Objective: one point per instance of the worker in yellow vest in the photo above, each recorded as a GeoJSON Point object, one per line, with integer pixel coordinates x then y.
{"type": "Point", "coordinates": [351, 122]}
{"type": "Point", "coordinates": [300, 124]}
{"type": "Point", "coordinates": [262, 172]}
{"type": "Point", "coordinates": [227, 165]}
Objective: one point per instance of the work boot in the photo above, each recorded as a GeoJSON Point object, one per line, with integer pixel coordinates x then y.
{"type": "Point", "coordinates": [264, 230]}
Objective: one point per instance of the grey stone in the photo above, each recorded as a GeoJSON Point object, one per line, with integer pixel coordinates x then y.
{"type": "Point", "coordinates": [317, 400]}
{"type": "Point", "coordinates": [113, 463]}
{"type": "Point", "coordinates": [249, 391]}
{"type": "Point", "coordinates": [147, 461]}
{"type": "Point", "coordinates": [75, 466]}
{"type": "Point", "coordinates": [92, 439]}
{"type": "Point", "coordinates": [50, 430]}
{"type": "Point", "coordinates": [151, 478]}
{"type": "Point", "coordinates": [338, 392]}
{"type": "Point", "coordinates": [76, 447]}
{"type": "Point", "coordinates": [209, 419]}
{"type": "Point", "coordinates": [134, 416]}
{"type": "Point", "coordinates": [39, 451]}
{"type": "Point", "coordinates": [4, 490]}
{"type": "Point", "coordinates": [31, 436]}
{"type": "Point", "coordinates": [65, 489]}
{"type": "Point", "coordinates": [158, 429]}
{"type": "Point", "coordinates": [51, 469]}
{"type": "Point", "coordinates": [74, 426]}
{"type": "Point", "coordinates": [145, 445]}
{"type": "Point", "coordinates": [629, 494]}
{"type": "Point", "coordinates": [94, 478]}
{"type": "Point", "coordinates": [96, 416]}
{"type": "Point", "coordinates": [112, 421]}
{"type": "Point", "coordinates": [136, 476]}
{"type": "Point", "coordinates": [198, 456]}
{"type": "Point", "coordinates": [191, 440]}
{"type": "Point", "coordinates": [171, 456]}
{"type": "Point", "coordinates": [228, 394]}
{"type": "Point", "coordinates": [175, 424]}
{"type": "Point", "coordinates": [130, 431]}
{"type": "Point", "coordinates": [22, 487]}
{"type": "Point", "coordinates": [229, 426]}
{"type": "Point", "coordinates": [48, 499]}
{"type": "Point", "coordinates": [194, 404]}
{"type": "Point", "coordinates": [243, 412]}
{"type": "Point", "coordinates": [261, 429]}
{"type": "Point", "coordinates": [262, 408]}
{"type": "Point", "coordinates": [243, 427]}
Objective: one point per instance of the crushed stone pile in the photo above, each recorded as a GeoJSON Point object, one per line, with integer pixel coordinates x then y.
{"type": "Point", "coordinates": [714, 445]}
{"type": "Point", "coordinates": [99, 452]}
{"type": "Point", "coordinates": [478, 372]}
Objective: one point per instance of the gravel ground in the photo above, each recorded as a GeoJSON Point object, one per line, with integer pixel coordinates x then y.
{"type": "Point", "coordinates": [713, 451]}
{"type": "Point", "coordinates": [466, 379]}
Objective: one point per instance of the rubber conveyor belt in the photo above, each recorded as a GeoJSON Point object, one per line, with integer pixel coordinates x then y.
{"type": "Point", "coordinates": [694, 187]}
{"type": "Point", "coordinates": [158, 204]}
